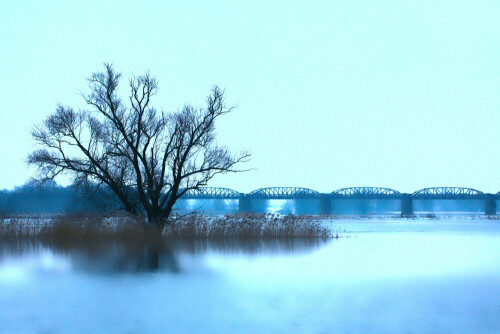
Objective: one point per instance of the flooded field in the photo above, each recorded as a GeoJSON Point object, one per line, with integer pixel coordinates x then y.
{"type": "Point", "coordinates": [405, 276]}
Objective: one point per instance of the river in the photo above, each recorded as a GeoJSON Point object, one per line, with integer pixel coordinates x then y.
{"type": "Point", "coordinates": [403, 276]}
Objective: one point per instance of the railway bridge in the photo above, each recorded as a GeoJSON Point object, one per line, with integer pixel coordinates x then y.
{"type": "Point", "coordinates": [344, 201]}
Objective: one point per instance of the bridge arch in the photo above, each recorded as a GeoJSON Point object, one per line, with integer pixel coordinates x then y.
{"type": "Point", "coordinates": [284, 193]}
{"type": "Point", "coordinates": [448, 193]}
{"type": "Point", "coordinates": [211, 193]}
{"type": "Point", "coordinates": [366, 192]}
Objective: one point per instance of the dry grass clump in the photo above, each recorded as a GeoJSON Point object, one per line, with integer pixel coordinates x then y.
{"type": "Point", "coordinates": [248, 226]}
{"type": "Point", "coordinates": [19, 225]}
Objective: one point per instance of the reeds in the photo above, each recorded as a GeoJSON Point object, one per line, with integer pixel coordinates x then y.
{"type": "Point", "coordinates": [248, 226]}
{"type": "Point", "coordinates": [98, 227]}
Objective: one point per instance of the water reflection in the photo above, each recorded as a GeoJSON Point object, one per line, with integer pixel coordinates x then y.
{"type": "Point", "coordinates": [139, 256]}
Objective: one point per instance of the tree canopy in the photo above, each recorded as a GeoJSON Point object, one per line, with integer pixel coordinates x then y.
{"type": "Point", "coordinates": [148, 158]}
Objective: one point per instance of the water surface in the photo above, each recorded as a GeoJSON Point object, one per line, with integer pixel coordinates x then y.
{"type": "Point", "coordinates": [384, 276]}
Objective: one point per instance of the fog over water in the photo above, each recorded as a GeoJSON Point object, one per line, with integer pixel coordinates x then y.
{"type": "Point", "coordinates": [338, 206]}
{"type": "Point", "coordinates": [56, 199]}
{"type": "Point", "coordinates": [397, 276]}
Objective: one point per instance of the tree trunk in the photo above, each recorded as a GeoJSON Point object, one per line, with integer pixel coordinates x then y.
{"type": "Point", "coordinates": [155, 217]}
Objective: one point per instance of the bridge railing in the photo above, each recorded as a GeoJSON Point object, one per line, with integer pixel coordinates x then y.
{"type": "Point", "coordinates": [211, 193]}
{"type": "Point", "coordinates": [284, 193]}
{"type": "Point", "coordinates": [448, 193]}
{"type": "Point", "coordinates": [365, 192]}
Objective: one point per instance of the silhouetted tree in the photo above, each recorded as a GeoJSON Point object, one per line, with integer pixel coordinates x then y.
{"type": "Point", "coordinates": [148, 158]}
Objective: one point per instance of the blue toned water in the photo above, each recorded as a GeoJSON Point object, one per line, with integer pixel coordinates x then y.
{"type": "Point", "coordinates": [391, 277]}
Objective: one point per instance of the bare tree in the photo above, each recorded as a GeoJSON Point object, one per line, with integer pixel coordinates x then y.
{"type": "Point", "coordinates": [148, 158]}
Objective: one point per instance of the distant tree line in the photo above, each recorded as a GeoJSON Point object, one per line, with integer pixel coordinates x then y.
{"type": "Point", "coordinates": [52, 198]}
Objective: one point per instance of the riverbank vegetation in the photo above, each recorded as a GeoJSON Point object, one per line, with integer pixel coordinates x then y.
{"type": "Point", "coordinates": [125, 226]}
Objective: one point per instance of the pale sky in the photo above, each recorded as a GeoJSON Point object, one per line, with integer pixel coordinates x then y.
{"type": "Point", "coordinates": [330, 94]}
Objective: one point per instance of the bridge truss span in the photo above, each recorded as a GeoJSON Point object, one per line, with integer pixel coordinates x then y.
{"type": "Point", "coordinates": [366, 193]}
{"type": "Point", "coordinates": [211, 193]}
{"type": "Point", "coordinates": [448, 193]}
{"type": "Point", "coordinates": [284, 193]}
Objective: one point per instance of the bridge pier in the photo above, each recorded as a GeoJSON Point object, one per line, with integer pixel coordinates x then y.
{"type": "Point", "coordinates": [490, 205]}
{"type": "Point", "coordinates": [244, 203]}
{"type": "Point", "coordinates": [406, 205]}
{"type": "Point", "coordinates": [325, 204]}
